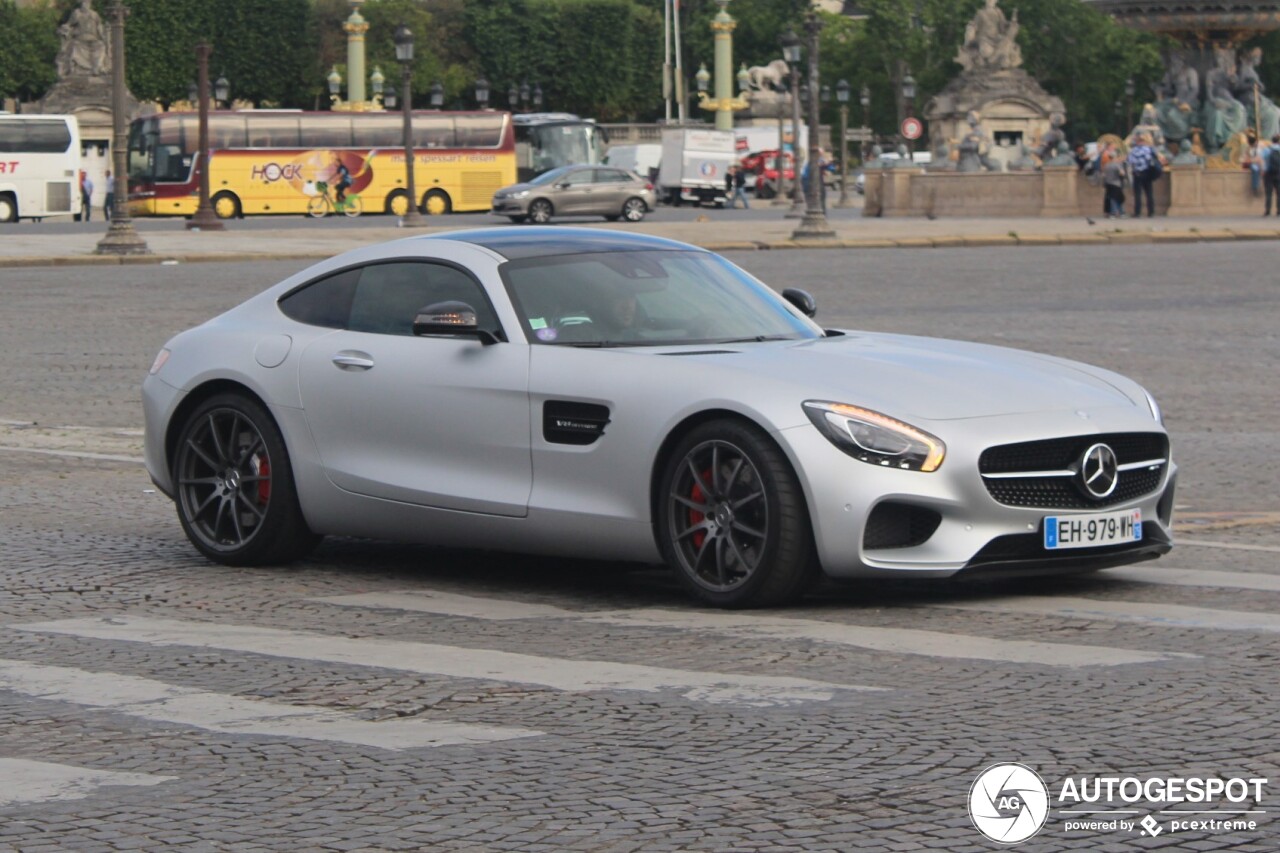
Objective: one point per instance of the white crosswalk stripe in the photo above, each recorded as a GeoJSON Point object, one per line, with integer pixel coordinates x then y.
{"type": "Point", "coordinates": [759, 626]}
{"type": "Point", "coordinates": [201, 709]}
{"type": "Point", "coordinates": [457, 662]}
{"type": "Point", "coordinates": [1138, 612]}
{"type": "Point", "coordinates": [23, 781]}
{"type": "Point", "coordinates": [1254, 581]}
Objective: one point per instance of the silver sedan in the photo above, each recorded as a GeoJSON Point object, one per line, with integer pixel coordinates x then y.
{"type": "Point", "coordinates": [621, 397]}
{"type": "Point", "coordinates": [577, 191]}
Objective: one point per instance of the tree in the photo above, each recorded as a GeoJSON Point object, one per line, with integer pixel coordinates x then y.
{"type": "Point", "coordinates": [27, 68]}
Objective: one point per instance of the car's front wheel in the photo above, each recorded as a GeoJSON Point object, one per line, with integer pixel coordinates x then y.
{"type": "Point", "coordinates": [235, 492]}
{"type": "Point", "coordinates": [540, 211]}
{"type": "Point", "coordinates": [732, 520]}
{"type": "Point", "coordinates": [634, 209]}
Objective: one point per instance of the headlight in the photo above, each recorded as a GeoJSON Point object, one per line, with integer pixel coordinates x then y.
{"type": "Point", "coordinates": [875, 438]}
{"type": "Point", "coordinates": [161, 358]}
{"type": "Point", "coordinates": [520, 194]}
{"type": "Point", "coordinates": [1155, 408]}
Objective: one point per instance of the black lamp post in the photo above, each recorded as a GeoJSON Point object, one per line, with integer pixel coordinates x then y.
{"type": "Point", "coordinates": [814, 226]}
{"type": "Point", "coordinates": [205, 219]}
{"type": "Point", "coordinates": [864, 98]}
{"type": "Point", "coordinates": [122, 238]}
{"type": "Point", "coordinates": [791, 53]}
{"type": "Point", "coordinates": [437, 96]}
{"type": "Point", "coordinates": [404, 55]}
{"type": "Point", "coordinates": [537, 96]}
{"type": "Point", "coordinates": [842, 96]}
{"type": "Point", "coordinates": [908, 100]}
{"type": "Point", "coordinates": [1130, 89]}
{"type": "Point", "coordinates": [513, 97]}
{"type": "Point", "coordinates": [482, 93]}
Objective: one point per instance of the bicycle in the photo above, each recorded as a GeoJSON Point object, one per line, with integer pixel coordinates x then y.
{"type": "Point", "coordinates": [322, 205]}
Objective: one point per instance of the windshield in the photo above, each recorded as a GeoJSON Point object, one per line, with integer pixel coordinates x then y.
{"type": "Point", "coordinates": [540, 147]}
{"type": "Point", "coordinates": [550, 177]}
{"type": "Point", "coordinates": [649, 298]}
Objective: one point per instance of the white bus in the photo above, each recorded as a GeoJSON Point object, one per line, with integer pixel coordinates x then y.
{"type": "Point", "coordinates": [39, 166]}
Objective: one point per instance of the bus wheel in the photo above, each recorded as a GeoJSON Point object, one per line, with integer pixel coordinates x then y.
{"type": "Point", "coordinates": [8, 208]}
{"type": "Point", "coordinates": [436, 203]}
{"type": "Point", "coordinates": [398, 203]}
{"type": "Point", "coordinates": [225, 205]}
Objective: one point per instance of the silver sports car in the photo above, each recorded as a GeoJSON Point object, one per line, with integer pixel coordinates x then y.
{"type": "Point", "coordinates": [622, 397]}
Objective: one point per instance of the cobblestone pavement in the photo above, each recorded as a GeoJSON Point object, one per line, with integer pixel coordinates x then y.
{"type": "Point", "coordinates": [379, 697]}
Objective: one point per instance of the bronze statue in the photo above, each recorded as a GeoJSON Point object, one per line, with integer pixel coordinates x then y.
{"type": "Point", "coordinates": [973, 148]}
{"type": "Point", "coordinates": [1223, 115]}
{"type": "Point", "coordinates": [1264, 115]}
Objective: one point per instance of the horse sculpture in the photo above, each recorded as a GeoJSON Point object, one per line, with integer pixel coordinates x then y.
{"type": "Point", "coordinates": [770, 75]}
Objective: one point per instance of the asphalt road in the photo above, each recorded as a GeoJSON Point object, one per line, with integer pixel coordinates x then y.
{"type": "Point", "coordinates": [378, 697]}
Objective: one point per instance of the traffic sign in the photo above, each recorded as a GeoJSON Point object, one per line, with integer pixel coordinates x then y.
{"type": "Point", "coordinates": [912, 128]}
{"type": "Point", "coordinates": [859, 134]}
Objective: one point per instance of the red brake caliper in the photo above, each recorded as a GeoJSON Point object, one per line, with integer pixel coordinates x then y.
{"type": "Point", "coordinates": [696, 495]}
{"type": "Point", "coordinates": [264, 485]}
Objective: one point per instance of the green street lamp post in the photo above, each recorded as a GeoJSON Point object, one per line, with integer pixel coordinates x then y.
{"type": "Point", "coordinates": [404, 55]}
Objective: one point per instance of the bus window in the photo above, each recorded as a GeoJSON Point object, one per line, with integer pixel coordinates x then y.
{"type": "Point", "coordinates": [326, 131]}
{"type": "Point", "coordinates": [272, 131]}
{"type": "Point", "coordinates": [433, 131]}
{"type": "Point", "coordinates": [34, 136]}
{"type": "Point", "coordinates": [226, 131]}
{"type": "Point", "coordinates": [141, 141]}
{"type": "Point", "coordinates": [479, 131]}
{"type": "Point", "coordinates": [172, 161]}
{"type": "Point", "coordinates": [378, 131]}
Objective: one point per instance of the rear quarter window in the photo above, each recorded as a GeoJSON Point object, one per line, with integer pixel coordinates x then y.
{"type": "Point", "coordinates": [325, 302]}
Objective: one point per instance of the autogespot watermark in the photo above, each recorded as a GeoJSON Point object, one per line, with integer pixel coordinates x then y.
{"type": "Point", "coordinates": [1010, 803]}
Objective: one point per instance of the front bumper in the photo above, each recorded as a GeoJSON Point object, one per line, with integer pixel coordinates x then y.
{"type": "Point", "coordinates": [965, 529]}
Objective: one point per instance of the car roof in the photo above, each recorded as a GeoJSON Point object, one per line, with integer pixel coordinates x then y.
{"type": "Point", "coordinates": [516, 243]}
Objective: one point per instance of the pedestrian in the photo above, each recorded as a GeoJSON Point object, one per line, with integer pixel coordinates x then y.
{"type": "Point", "coordinates": [111, 197]}
{"type": "Point", "coordinates": [1114, 178]}
{"type": "Point", "coordinates": [1271, 175]}
{"type": "Point", "coordinates": [1145, 168]}
{"type": "Point", "coordinates": [86, 195]}
{"type": "Point", "coordinates": [1254, 154]}
{"type": "Point", "coordinates": [740, 186]}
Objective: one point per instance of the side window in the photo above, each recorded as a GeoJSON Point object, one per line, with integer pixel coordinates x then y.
{"type": "Point", "coordinates": [611, 176]}
{"type": "Point", "coordinates": [389, 296]}
{"type": "Point", "coordinates": [581, 177]}
{"type": "Point", "coordinates": [326, 302]}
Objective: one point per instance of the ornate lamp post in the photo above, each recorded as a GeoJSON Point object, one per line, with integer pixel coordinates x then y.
{"type": "Point", "coordinates": [482, 93]}
{"type": "Point", "coordinates": [437, 96]}
{"type": "Point", "coordinates": [814, 226]}
{"type": "Point", "coordinates": [791, 53]}
{"type": "Point", "coordinates": [121, 237]}
{"type": "Point", "coordinates": [537, 97]}
{"type": "Point", "coordinates": [404, 55]}
{"type": "Point", "coordinates": [1130, 89]}
{"type": "Point", "coordinates": [842, 95]}
{"type": "Point", "coordinates": [724, 103]}
{"type": "Point", "coordinates": [205, 219]}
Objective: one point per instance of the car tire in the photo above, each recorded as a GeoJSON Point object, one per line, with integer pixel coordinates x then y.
{"type": "Point", "coordinates": [437, 203]}
{"type": "Point", "coordinates": [234, 488]}
{"type": "Point", "coordinates": [634, 209]}
{"type": "Point", "coordinates": [540, 211]}
{"type": "Point", "coordinates": [731, 517]}
{"type": "Point", "coordinates": [225, 205]}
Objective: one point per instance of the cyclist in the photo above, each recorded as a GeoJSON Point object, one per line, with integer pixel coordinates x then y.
{"type": "Point", "coordinates": [344, 181]}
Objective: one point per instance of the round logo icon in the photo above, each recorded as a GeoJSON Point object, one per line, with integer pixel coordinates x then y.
{"type": "Point", "coordinates": [912, 128]}
{"type": "Point", "coordinates": [1008, 803]}
{"type": "Point", "coordinates": [708, 169]}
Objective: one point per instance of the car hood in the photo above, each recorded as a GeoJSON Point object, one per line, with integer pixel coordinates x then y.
{"type": "Point", "coordinates": [927, 378]}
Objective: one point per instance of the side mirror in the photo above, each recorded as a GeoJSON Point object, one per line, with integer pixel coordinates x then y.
{"type": "Point", "coordinates": [451, 318]}
{"type": "Point", "coordinates": [801, 300]}
{"type": "Point", "coordinates": [563, 185]}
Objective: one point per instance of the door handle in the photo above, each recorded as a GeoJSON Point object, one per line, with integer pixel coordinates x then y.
{"type": "Point", "coordinates": [350, 360]}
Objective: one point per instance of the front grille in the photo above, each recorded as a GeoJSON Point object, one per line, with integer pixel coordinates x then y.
{"type": "Point", "coordinates": [1063, 454]}
{"type": "Point", "coordinates": [899, 525]}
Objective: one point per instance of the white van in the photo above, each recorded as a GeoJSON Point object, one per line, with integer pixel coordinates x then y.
{"type": "Point", "coordinates": [635, 158]}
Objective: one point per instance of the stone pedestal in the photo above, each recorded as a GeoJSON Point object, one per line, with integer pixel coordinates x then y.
{"type": "Point", "coordinates": [1061, 191]}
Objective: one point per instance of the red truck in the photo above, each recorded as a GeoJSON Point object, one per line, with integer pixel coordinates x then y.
{"type": "Point", "coordinates": [764, 166]}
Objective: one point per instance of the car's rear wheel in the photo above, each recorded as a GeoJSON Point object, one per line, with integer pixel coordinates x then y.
{"type": "Point", "coordinates": [732, 521]}
{"type": "Point", "coordinates": [234, 485]}
{"type": "Point", "coordinates": [540, 211]}
{"type": "Point", "coordinates": [634, 209]}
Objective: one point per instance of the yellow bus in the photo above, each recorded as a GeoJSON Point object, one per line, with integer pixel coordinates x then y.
{"type": "Point", "coordinates": [280, 161]}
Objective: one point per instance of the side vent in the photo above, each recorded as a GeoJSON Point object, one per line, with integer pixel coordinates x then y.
{"type": "Point", "coordinates": [573, 423]}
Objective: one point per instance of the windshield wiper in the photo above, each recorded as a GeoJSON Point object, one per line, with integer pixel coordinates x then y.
{"type": "Point", "coordinates": [756, 340]}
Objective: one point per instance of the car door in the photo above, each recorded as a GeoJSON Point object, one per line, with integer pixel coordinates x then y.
{"type": "Point", "coordinates": [577, 192]}
{"type": "Point", "coordinates": [612, 188]}
{"type": "Point", "coordinates": [435, 421]}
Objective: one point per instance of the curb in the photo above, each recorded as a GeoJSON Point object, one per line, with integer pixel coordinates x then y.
{"type": "Point", "coordinates": [1011, 239]}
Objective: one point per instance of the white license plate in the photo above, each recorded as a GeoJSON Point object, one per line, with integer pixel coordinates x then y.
{"type": "Point", "coordinates": [1092, 530]}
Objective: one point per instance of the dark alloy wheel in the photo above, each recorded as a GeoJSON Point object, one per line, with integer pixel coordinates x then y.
{"type": "Point", "coordinates": [234, 486]}
{"type": "Point", "coordinates": [732, 520]}
{"type": "Point", "coordinates": [540, 211]}
{"type": "Point", "coordinates": [634, 209]}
